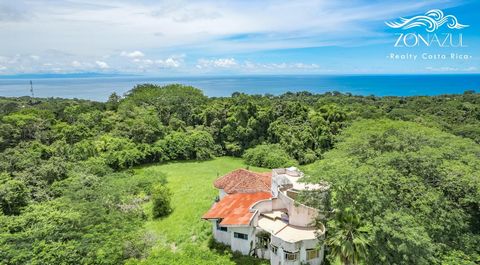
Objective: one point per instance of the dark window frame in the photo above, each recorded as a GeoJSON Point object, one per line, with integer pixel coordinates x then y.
{"type": "Point", "coordinates": [274, 249]}
{"type": "Point", "coordinates": [221, 228]}
{"type": "Point", "coordinates": [288, 254]}
{"type": "Point", "coordinates": [240, 235]}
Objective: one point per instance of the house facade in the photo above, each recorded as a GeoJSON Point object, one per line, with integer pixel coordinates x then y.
{"type": "Point", "coordinates": [256, 214]}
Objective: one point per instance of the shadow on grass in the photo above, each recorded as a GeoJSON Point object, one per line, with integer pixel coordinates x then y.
{"type": "Point", "coordinates": [236, 256]}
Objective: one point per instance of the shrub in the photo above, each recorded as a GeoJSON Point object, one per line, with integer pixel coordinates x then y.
{"type": "Point", "coordinates": [161, 197]}
{"type": "Point", "coordinates": [268, 155]}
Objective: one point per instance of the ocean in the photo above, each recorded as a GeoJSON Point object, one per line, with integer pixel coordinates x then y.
{"type": "Point", "coordinates": [99, 88]}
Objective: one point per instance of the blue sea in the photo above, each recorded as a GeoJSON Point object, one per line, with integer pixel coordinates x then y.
{"type": "Point", "coordinates": [100, 87]}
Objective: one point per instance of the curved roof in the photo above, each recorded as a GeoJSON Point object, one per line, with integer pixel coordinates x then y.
{"type": "Point", "coordinates": [244, 181]}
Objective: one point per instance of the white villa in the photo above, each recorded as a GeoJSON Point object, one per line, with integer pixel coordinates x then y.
{"type": "Point", "coordinates": [256, 214]}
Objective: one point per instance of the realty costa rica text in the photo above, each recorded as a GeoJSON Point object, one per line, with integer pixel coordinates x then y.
{"type": "Point", "coordinates": [431, 21]}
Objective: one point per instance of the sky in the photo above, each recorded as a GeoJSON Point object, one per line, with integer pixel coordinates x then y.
{"type": "Point", "coordinates": [210, 37]}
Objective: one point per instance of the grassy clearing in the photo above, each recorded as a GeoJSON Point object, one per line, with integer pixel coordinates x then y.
{"type": "Point", "coordinates": [193, 193]}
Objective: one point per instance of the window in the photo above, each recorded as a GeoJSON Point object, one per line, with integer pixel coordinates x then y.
{"type": "Point", "coordinates": [291, 256]}
{"type": "Point", "coordinates": [221, 228]}
{"type": "Point", "coordinates": [274, 249]}
{"type": "Point", "coordinates": [240, 235]}
{"type": "Point", "coordinates": [312, 253]}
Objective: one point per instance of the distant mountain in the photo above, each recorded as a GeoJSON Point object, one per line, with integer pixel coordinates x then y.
{"type": "Point", "coordinates": [54, 75]}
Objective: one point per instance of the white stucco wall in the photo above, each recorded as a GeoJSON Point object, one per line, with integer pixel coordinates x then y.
{"type": "Point", "coordinates": [299, 214]}
{"type": "Point", "coordinates": [263, 254]}
{"type": "Point", "coordinates": [276, 259]}
{"type": "Point", "coordinates": [278, 204]}
{"type": "Point", "coordinates": [260, 207]}
{"type": "Point", "coordinates": [242, 245]}
{"type": "Point", "coordinates": [263, 206]}
{"type": "Point", "coordinates": [220, 236]}
{"type": "Point", "coordinates": [300, 247]}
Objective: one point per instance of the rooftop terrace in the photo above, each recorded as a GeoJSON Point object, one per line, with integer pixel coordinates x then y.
{"type": "Point", "coordinates": [292, 176]}
{"type": "Point", "coordinates": [272, 222]}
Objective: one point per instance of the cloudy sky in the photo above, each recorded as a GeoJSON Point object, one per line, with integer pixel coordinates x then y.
{"type": "Point", "coordinates": [223, 37]}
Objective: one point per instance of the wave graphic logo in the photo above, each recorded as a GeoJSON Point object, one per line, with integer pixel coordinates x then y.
{"type": "Point", "coordinates": [432, 20]}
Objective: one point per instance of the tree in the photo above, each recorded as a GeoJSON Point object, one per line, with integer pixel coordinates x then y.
{"type": "Point", "coordinates": [193, 144]}
{"type": "Point", "coordinates": [348, 238]}
{"type": "Point", "coordinates": [203, 146]}
{"type": "Point", "coordinates": [418, 188]}
{"type": "Point", "coordinates": [457, 257]}
{"type": "Point", "coordinates": [67, 195]}
{"type": "Point", "coordinates": [167, 100]}
{"type": "Point", "coordinates": [140, 124]}
{"type": "Point", "coordinates": [13, 195]}
{"type": "Point", "coordinates": [269, 156]}
{"type": "Point", "coordinates": [113, 101]}
{"type": "Point", "coordinates": [118, 152]}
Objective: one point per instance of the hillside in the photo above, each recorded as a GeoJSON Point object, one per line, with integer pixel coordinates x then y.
{"type": "Point", "coordinates": [81, 181]}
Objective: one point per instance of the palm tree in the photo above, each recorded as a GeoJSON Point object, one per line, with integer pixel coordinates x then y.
{"type": "Point", "coordinates": [347, 238]}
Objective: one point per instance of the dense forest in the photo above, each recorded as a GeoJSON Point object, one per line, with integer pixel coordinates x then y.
{"type": "Point", "coordinates": [405, 171]}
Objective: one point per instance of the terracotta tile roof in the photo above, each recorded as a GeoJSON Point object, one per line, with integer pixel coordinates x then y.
{"type": "Point", "coordinates": [234, 209]}
{"type": "Point", "coordinates": [244, 181]}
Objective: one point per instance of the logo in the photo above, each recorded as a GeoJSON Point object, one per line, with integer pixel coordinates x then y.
{"type": "Point", "coordinates": [432, 20]}
{"type": "Point", "coordinates": [433, 30]}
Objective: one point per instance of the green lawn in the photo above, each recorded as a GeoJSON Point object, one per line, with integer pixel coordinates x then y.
{"type": "Point", "coordinates": [193, 193]}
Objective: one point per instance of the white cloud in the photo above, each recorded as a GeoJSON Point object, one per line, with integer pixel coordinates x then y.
{"type": "Point", "coordinates": [227, 62]}
{"type": "Point", "coordinates": [174, 61]}
{"type": "Point", "coordinates": [102, 65]}
{"type": "Point", "coordinates": [170, 62]}
{"type": "Point", "coordinates": [134, 54]}
{"type": "Point", "coordinates": [305, 66]}
{"type": "Point", "coordinates": [76, 64]}
{"type": "Point", "coordinates": [217, 63]}
{"type": "Point", "coordinates": [117, 31]}
{"type": "Point", "coordinates": [249, 66]}
{"type": "Point", "coordinates": [2, 67]}
{"type": "Point", "coordinates": [275, 24]}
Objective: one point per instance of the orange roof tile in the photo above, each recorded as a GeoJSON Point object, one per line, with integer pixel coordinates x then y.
{"type": "Point", "coordinates": [244, 181]}
{"type": "Point", "coordinates": [234, 209]}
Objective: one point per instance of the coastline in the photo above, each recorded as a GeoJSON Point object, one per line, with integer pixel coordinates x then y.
{"type": "Point", "coordinates": [100, 87]}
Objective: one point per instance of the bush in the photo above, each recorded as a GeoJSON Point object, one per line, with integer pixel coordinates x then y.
{"type": "Point", "coordinates": [161, 198]}
{"type": "Point", "coordinates": [269, 156]}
